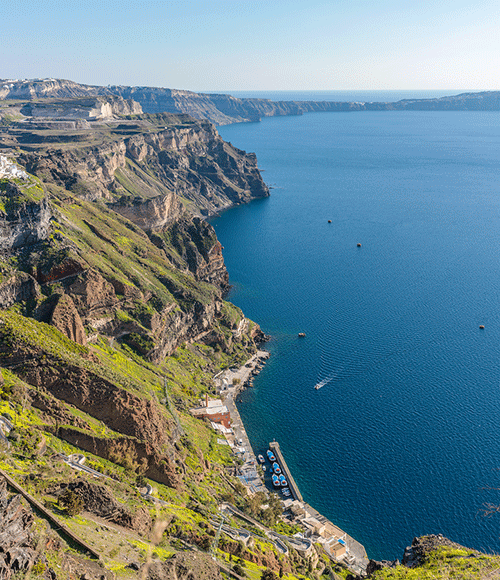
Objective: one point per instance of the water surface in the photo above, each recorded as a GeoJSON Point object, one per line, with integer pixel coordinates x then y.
{"type": "Point", "coordinates": [403, 436]}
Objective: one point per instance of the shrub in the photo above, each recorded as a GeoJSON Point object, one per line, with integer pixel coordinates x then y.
{"type": "Point", "coordinates": [238, 568]}
{"type": "Point", "coordinates": [38, 568]}
{"type": "Point", "coordinates": [71, 502]}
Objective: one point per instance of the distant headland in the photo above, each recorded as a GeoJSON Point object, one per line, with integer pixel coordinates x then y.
{"type": "Point", "coordinates": [223, 109]}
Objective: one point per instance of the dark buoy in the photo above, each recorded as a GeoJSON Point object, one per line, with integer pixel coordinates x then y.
{"type": "Point", "coordinates": [481, 326]}
{"type": "Point", "coordinates": [329, 221]}
{"type": "Point", "coordinates": [359, 245]}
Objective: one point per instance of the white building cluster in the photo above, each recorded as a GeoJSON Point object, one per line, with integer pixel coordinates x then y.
{"type": "Point", "coordinates": [10, 170]}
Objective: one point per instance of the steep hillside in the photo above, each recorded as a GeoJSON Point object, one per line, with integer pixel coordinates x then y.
{"type": "Point", "coordinates": [113, 324]}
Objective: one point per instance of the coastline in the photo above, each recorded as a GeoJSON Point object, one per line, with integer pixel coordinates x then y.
{"type": "Point", "coordinates": [337, 544]}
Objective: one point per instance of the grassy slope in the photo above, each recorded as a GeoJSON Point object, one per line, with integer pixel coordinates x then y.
{"type": "Point", "coordinates": [120, 251]}
{"type": "Point", "coordinates": [447, 562]}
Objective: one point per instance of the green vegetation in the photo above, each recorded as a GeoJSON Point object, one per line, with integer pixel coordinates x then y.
{"type": "Point", "coordinates": [71, 502]}
{"type": "Point", "coordinates": [446, 562]}
{"type": "Point", "coordinates": [158, 332]}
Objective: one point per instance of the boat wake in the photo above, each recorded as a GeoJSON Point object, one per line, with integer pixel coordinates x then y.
{"type": "Point", "coordinates": [324, 382]}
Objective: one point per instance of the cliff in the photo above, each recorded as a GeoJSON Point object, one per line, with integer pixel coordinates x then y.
{"type": "Point", "coordinates": [223, 109]}
{"type": "Point", "coordinates": [150, 166]}
{"type": "Point", "coordinates": [113, 324]}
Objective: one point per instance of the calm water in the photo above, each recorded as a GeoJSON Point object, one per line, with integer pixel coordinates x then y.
{"type": "Point", "coordinates": [345, 96]}
{"type": "Point", "coordinates": [404, 435]}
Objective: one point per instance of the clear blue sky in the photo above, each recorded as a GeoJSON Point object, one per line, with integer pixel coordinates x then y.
{"type": "Point", "coordinates": [224, 45]}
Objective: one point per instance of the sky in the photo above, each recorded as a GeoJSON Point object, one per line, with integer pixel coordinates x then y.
{"type": "Point", "coordinates": [224, 45]}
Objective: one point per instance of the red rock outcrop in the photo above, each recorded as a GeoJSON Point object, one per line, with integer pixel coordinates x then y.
{"type": "Point", "coordinates": [92, 294]}
{"type": "Point", "coordinates": [65, 318]}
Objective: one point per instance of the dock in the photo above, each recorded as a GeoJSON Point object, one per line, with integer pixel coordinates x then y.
{"type": "Point", "coordinates": [292, 486]}
{"type": "Point", "coordinates": [320, 529]}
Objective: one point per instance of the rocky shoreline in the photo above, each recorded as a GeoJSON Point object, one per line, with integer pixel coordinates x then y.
{"type": "Point", "coordinates": [230, 383]}
{"type": "Point", "coordinates": [238, 379]}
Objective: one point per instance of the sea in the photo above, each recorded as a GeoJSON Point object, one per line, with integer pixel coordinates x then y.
{"type": "Point", "coordinates": [403, 436]}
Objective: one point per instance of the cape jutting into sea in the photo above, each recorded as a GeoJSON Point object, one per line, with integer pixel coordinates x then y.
{"type": "Point", "coordinates": [402, 439]}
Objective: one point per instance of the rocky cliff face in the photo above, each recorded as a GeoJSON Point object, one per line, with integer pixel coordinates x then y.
{"type": "Point", "coordinates": [18, 287]}
{"type": "Point", "coordinates": [90, 109]}
{"type": "Point", "coordinates": [146, 168]}
{"type": "Point", "coordinates": [224, 109]}
{"type": "Point", "coordinates": [25, 218]}
{"type": "Point", "coordinates": [16, 550]}
{"type": "Point", "coordinates": [120, 323]}
{"type": "Point", "coordinates": [158, 278]}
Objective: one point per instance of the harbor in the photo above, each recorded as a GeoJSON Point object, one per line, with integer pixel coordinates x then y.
{"type": "Point", "coordinates": [317, 529]}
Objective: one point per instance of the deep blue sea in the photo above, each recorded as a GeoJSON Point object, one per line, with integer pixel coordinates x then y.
{"type": "Point", "coordinates": [403, 438]}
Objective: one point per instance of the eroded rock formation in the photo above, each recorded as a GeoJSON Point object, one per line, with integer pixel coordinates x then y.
{"type": "Point", "coordinates": [16, 552]}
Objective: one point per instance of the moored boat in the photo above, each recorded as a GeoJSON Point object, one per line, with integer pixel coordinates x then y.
{"type": "Point", "coordinates": [283, 481]}
{"type": "Point", "coordinates": [276, 481]}
{"type": "Point", "coordinates": [261, 458]}
{"type": "Point", "coordinates": [270, 456]}
{"type": "Point", "coordinates": [276, 468]}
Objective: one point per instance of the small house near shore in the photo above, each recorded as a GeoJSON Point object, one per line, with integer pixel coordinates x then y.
{"type": "Point", "coordinates": [214, 410]}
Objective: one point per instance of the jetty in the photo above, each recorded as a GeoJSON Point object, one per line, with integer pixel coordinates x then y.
{"type": "Point", "coordinates": [317, 529]}
{"type": "Point", "coordinates": [292, 486]}
{"type": "Point", "coordinates": [336, 543]}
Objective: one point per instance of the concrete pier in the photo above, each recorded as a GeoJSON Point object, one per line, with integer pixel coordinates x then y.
{"type": "Point", "coordinates": [274, 446]}
{"type": "Point", "coordinates": [321, 529]}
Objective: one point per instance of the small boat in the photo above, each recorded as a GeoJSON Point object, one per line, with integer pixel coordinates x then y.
{"type": "Point", "coordinates": [276, 481]}
{"type": "Point", "coordinates": [276, 468]}
{"type": "Point", "coordinates": [286, 492]}
{"type": "Point", "coordinates": [261, 458]}
{"type": "Point", "coordinates": [481, 326]}
{"type": "Point", "coordinates": [358, 245]}
{"type": "Point", "coordinates": [270, 456]}
{"type": "Point", "coordinates": [302, 334]}
{"type": "Point", "coordinates": [283, 481]}
{"type": "Point", "coordinates": [263, 468]}
{"type": "Point", "coordinates": [317, 387]}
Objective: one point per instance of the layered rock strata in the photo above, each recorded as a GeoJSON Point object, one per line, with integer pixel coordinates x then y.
{"type": "Point", "coordinates": [223, 109]}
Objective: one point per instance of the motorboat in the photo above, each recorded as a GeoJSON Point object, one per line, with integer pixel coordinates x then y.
{"type": "Point", "coordinates": [261, 458]}
{"type": "Point", "coordinates": [276, 481]}
{"type": "Point", "coordinates": [270, 456]}
{"type": "Point", "coordinates": [283, 481]}
{"type": "Point", "coordinates": [276, 468]}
